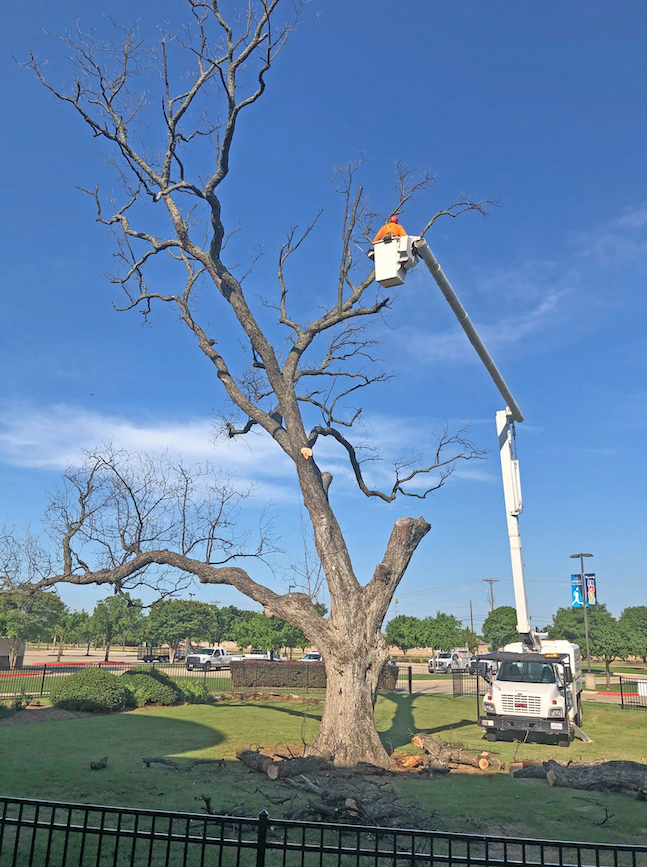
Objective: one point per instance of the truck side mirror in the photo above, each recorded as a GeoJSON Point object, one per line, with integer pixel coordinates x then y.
{"type": "Point", "coordinates": [568, 674]}
{"type": "Point", "coordinates": [484, 670]}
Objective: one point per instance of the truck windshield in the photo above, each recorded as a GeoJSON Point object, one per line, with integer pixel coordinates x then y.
{"type": "Point", "coordinates": [527, 672]}
{"type": "Point", "coordinates": [205, 651]}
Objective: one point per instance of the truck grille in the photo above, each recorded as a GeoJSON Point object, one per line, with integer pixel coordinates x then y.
{"type": "Point", "coordinates": [521, 704]}
{"type": "Point", "coordinates": [194, 660]}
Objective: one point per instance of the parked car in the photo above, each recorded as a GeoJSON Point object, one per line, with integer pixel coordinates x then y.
{"type": "Point", "coordinates": [207, 658]}
{"type": "Point", "coordinates": [313, 656]}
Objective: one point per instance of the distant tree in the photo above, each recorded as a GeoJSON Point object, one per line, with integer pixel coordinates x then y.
{"type": "Point", "coordinates": [634, 623]}
{"type": "Point", "coordinates": [404, 632]}
{"type": "Point", "coordinates": [65, 628]}
{"type": "Point", "coordinates": [174, 619]}
{"type": "Point", "coordinates": [115, 616]}
{"type": "Point", "coordinates": [607, 639]}
{"type": "Point", "coordinates": [441, 632]}
{"type": "Point", "coordinates": [469, 638]}
{"type": "Point", "coordinates": [224, 620]}
{"type": "Point", "coordinates": [500, 627]}
{"type": "Point", "coordinates": [292, 637]}
{"type": "Point", "coordinates": [28, 618]}
{"type": "Point", "coordinates": [83, 630]}
{"type": "Point", "coordinates": [260, 631]}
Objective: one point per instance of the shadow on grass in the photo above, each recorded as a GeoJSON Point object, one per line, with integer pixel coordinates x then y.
{"type": "Point", "coordinates": [403, 725]}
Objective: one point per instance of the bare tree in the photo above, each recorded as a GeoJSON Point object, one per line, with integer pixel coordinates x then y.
{"type": "Point", "coordinates": [296, 395]}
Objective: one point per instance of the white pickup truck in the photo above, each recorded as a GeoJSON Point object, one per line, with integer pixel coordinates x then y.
{"type": "Point", "coordinates": [207, 658]}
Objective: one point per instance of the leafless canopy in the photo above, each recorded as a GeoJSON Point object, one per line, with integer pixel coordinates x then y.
{"type": "Point", "coordinates": [203, 78]}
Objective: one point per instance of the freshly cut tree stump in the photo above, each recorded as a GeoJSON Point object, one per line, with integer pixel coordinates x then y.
{"type": "Point", "coordinates": [627, 777]}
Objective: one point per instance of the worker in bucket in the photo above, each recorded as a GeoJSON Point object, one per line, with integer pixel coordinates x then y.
{"type": "Point", "coordinates": [392, 228]}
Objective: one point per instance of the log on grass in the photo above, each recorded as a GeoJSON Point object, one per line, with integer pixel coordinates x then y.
{"type": "Point", "coordinates": [625, 777]}
{"type": "Point", "coordinates": [521, 771]}
{"type": "Point", "coordinates": [254, 760]}
{"type": "Point", "coordinates": [294, 767]}
{"type": "Point", "coordinates": [447, 753]}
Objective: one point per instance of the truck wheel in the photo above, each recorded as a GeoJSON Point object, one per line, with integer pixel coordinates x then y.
{"type": "Point", "coordinates": [578, 712]}
{"type": "Point", "coordinates": [563, 742]}
{"type": "Point", "coordinates": [490, 736]}
{"type": "Point", "coordinates": [207, 666]}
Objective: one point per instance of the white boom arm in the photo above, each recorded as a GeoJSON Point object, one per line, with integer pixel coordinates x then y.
{"type": "Point", "coordinates": [505, 430]}
{"type": "Point", "coordinates": [514, 507]}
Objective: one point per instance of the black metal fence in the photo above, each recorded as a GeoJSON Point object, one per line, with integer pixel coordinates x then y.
{"type": "Point", "coordinates": [50, 834]}
{"type": "Point", "coordinates": [37, 680]}
{"type": "Point", "coordinates": [468, 684]}
{"type": "Point", "coordinates": [633, 692]}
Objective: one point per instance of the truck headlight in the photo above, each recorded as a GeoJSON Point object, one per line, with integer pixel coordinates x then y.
{"type": "Point", "coordinates": [557, 711]}
{"type": "Point", "coordinates": [488, 706]}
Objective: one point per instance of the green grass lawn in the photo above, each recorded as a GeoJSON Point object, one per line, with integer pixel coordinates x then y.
{"type": "Point", "coordinates": [51, 760]}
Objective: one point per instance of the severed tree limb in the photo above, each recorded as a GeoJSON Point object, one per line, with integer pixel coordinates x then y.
{"type": "Point", "coordinates": [181, 766]}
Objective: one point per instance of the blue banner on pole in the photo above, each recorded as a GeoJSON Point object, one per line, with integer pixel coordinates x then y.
{"type": "Point", "coordinates": [577, 596]}
{"type": "Point", "coordinates": [579, 588]}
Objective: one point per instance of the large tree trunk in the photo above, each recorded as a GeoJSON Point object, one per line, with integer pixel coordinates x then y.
{"type": "Point", "coordinates": [347, 733]}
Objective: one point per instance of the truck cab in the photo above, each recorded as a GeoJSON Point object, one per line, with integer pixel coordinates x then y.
{"type": "Point", "coordinates": [207, 658]}
{"type": "Point", "coordinates": [533, 692]}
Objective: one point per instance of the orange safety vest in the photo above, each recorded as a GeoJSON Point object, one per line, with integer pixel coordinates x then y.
{"type": "Point", "coordinates": [389, 229]}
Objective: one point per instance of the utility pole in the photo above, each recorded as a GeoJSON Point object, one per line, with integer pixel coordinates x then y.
{"type": "Point", "coordinates": [471, 617]}
{"type": "Point", "coordinates": [395, 607]}
{"type": "Point", "coordinates": [491, 582]}
{"type": "Point", "coordinates": [585, 605]}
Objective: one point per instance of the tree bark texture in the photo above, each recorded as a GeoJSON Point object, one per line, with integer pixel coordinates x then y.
{"type": "Point", "coordinates": [625, 777]}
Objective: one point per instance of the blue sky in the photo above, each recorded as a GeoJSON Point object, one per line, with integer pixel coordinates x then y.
{"type": "Point", "coordinates": [539, 106]}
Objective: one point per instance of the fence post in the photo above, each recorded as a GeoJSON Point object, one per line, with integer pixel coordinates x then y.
{"type": "Point", "coordinates": [262, 838]}
{"type": "Point", "coordinates": [42, 680]}
{"type": "Point", "coordinates": [410, 681]}
{"type": "Point", "coordinates": [622, 697]}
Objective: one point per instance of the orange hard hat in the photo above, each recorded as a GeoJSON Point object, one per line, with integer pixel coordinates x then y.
{"type": "Point", "coordinates": [393, 219]}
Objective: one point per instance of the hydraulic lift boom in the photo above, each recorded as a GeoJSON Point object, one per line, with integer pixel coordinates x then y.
{"type": "Point", "coordinates": [505, 421]}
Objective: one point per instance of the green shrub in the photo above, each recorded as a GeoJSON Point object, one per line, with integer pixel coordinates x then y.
{"type": "Point", "coordinates": [196, 693]}
{"type": "Point", "coordinates": [252, 674]}
{"type": "Point", "coordinates": [151, 686]}
{"type": "Point", "coordinates": [92, 689]}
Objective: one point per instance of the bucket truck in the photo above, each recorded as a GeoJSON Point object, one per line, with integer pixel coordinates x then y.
{"type": "Point", "coordinates": [538, 685]}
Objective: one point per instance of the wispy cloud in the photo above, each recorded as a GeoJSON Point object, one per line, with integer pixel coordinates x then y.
{"type": "Point", "coordinates": [55, 437]}
{"type": "Point", "coordinates": [453, 346]}
{"type": "Point", "coordinates": [528, 296]}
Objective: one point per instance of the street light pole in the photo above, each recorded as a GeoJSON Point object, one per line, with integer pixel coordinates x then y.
{"type": "Point", "coordinates": [585, 596]}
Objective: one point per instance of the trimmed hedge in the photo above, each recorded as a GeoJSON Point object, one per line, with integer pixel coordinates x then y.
{"type": "Point", "coordinates": [151, 686]}
{"type": "Point", "coordinates": [92, 689]}
{"type": "Point", "coordinates": [250, 674]}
